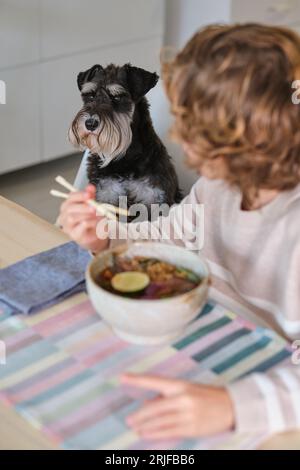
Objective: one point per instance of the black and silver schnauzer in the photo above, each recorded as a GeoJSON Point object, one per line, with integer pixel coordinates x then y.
{"type": "Point", "coordinates": [126, 156]}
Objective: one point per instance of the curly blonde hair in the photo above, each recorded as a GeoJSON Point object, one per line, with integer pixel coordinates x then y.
{"type": "Point", "coordinates": [231, 91]}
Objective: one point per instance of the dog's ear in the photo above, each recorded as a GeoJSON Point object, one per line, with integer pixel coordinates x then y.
{"type": "Point", "coordinates": [140, 81]}
{"type": "Point", "coordinates": [88, 75]}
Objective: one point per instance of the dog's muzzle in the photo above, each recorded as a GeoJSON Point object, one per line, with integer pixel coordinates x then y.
{"type": "Point", "coordinates": [108, 134]}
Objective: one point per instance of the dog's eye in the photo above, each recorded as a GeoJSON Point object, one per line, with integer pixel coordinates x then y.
{"type": "Point", "coordinates": [89, 96]}
{"type": "Point", "coordinates": [116, 98]}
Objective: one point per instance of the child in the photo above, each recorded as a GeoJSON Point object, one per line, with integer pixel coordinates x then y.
{"type": "Point", "coordinates": [231, 94]}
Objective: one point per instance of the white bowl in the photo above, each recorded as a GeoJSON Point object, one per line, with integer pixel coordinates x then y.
{"type": "Point", "coordinates": [148, 321]}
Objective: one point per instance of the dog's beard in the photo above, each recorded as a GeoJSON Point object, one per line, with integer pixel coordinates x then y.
{"type": "Point", "coordinates": [110, 140]}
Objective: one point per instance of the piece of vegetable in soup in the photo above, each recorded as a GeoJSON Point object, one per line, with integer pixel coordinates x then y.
{"type": "Point", "coordinates": [146, 278]}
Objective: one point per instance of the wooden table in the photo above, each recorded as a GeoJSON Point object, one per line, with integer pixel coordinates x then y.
{"type": "Point", "coordinates": [23, 234]}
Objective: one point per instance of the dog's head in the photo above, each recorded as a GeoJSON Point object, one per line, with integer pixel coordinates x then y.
{"type": "Point", "coordinates": [109, 98]}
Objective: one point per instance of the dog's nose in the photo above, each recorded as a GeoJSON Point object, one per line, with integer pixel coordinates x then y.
{"type": "Point", "coordinates": [91, 124]}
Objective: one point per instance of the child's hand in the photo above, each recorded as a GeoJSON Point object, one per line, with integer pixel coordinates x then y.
{"type": "Point", "coordinates": [182, 409]}
{"type": "Point", "coordinates": [79, 220]}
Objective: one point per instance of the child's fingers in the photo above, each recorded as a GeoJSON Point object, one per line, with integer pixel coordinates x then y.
{"type": "Point", "coordinates": [90, 190]}
{"type": "Point", "coordinates": [80, 196]}
{"type": "Point", "coordinates": [151, 410]}
{"type": "Point", "coordinates": [83, 230]}
{"type": "Point", "coordinates": [75, 204]}
{"type": "Point", "coordinates": [68, 218]}
{"type": "Point", "coordinates": [154, 425]}
{"type": "Point", "coordinates": [155, 383]}
{"type": "Point", "coordinates": [74, 198]}
{"type": "Point", "coordinates": [74, 219]}
{"type": "Point", "coordinates": [170, 432]}
{"type": "Point", "coordinates": [84, 209]}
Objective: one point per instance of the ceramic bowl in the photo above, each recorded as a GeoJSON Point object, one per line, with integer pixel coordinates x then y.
{"type": "Point", "coordinates": [148, 322]}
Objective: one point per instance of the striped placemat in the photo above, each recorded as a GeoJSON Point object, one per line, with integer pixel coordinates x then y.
{"type": "Point", "coordinates": [62, 369]}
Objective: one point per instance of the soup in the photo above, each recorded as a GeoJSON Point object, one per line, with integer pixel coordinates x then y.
{"type": "Point", "coordinates": [146, 278]}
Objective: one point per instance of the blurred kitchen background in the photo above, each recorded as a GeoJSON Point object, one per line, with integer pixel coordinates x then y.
{"type": "Point", "coordinates": [45, 43]}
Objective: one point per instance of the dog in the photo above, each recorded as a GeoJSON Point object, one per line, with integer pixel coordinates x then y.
{"type": "Point", "coordinates": [127, 158]}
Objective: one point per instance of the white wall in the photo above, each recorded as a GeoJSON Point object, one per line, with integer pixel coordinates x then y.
{"type": "Point", "coordinates": [183, 18]}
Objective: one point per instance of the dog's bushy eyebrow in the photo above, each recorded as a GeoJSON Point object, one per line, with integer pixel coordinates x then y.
{"type": "Point", "coordinates": [115, 89]}
{"type": "Point", "coordinates": [88, 87]}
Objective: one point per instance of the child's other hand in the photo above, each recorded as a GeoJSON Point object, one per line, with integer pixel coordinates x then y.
{"type": "Point", "coordinates": [181, 410]}
{"type": "Point", "coordinates": [79, 220]}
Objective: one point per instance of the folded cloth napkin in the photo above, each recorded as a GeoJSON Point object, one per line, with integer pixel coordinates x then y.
{"type": "Point", "coordinates": [43, 279]}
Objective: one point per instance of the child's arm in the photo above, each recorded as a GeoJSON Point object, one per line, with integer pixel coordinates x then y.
{"type": "Point", "coordinates": [183, 225]}
{"type": "Point", "coordinates": [268, 402]}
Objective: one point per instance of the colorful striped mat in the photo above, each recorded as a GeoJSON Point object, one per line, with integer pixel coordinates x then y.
{"type": "Point", "coordinates": [62, 371]}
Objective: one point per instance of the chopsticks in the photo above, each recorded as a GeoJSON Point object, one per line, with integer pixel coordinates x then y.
{"type": "Point", "coordinates": [107, 210]}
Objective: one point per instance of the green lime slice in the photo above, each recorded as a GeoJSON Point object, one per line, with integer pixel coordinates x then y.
{"type": "Point", "coordinates": [130, 281]}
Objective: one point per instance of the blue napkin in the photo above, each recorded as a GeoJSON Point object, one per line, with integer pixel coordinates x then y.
{"type": "Point", "coordinates": [44, 279]}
